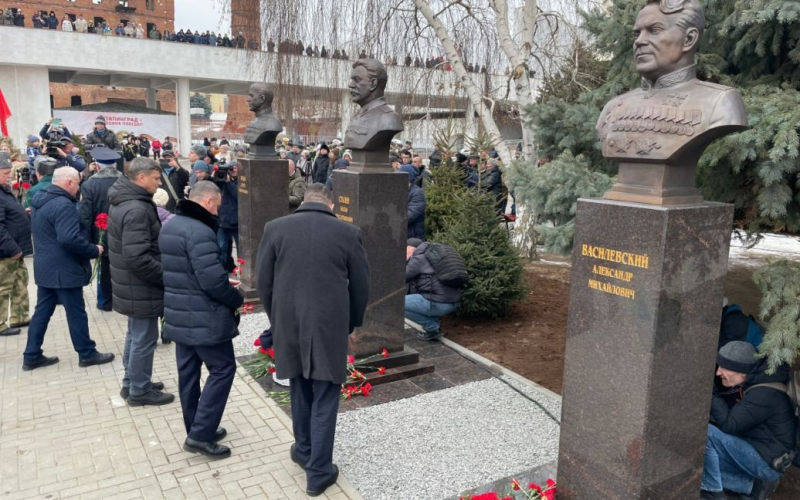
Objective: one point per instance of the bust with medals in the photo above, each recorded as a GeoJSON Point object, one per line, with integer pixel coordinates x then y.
{"type": "Point", "coordinates": [659, 131]}
{"type": "Point", "coordinates": [265, 127]}
{"type": "Point", "coordinates": [371, 130]}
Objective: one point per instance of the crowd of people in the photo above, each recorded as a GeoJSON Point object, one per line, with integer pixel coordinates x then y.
{"type": "Point", "coordinates": [45, 20]}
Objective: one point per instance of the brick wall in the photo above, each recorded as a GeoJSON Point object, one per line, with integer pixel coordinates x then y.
{"type": "Point", "coordinates": [162, 13]}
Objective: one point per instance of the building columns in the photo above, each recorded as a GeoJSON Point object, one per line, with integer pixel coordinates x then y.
{"type": "Point", "coordinates": [152, 99]}
{"type": "Point", "coordinates": [27, 93]}
{"type": "Point", "coordinates": [184, 117]}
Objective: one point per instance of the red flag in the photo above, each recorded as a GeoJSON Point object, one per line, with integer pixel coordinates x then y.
{"type": "Point", "coordinates": [5, 114]}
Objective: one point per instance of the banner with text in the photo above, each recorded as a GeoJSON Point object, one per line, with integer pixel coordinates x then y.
{"type": "Point", "coordinates": [82, 122]}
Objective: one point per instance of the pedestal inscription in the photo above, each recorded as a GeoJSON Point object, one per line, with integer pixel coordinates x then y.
{"type": "Point", "coordinates": [263, 196]}
{"type": "Point", "coordinates": [378, 204]}
{"type": "Point", "coordinates": [645, 306]}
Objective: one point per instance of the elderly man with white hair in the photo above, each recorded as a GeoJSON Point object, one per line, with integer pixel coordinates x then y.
{"type": "Point", "coordinates": [61, 268]}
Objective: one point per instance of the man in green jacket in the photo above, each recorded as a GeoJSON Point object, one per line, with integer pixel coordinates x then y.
{"type": "Point", "coordinates": [44, 166]}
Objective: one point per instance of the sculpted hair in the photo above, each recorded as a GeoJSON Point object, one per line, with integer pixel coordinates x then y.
{"type": "Point", "coordinates": [691, 13]}
{"type": "Point", "coordinates": [375, 69]}
{"type": "Point", "coordinates": [141, 166]}
{"type": "Point", "coordinates": [203, 190]}
{"type": "Point", "coordinates": [318, 193]}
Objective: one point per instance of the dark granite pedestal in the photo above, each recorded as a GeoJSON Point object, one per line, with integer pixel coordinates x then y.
{"type": "Point", "coordinates": [644, 313]}
{"type": "Point", "coordinates": [263, 196]}
{"type": "Point", "coordinates": [377, 202]}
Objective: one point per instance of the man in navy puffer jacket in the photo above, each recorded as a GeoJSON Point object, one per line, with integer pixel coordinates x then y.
{"type": "Point", "coordinates": [200, 316]}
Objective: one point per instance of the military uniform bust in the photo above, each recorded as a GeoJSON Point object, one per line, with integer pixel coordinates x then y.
{"type": "Point", "coordinates": [265, 127]}
{"type": "Point", "coordinates": [659, 131]}
{"type": "Point", "coordinates": [370, 132]}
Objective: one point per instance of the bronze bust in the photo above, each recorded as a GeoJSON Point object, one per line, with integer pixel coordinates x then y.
{"type": "Point", "coordinates": [265, 127]}
{"type": "Point", "coordinates": [370, 132]}
{"type": "Point", "coordinates": [659, 131]}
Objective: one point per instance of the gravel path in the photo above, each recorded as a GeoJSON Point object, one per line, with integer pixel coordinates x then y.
{"type": "Point", "coordinates": [250, 327]}
{"type": "Point", "coordinates": [440, 444]}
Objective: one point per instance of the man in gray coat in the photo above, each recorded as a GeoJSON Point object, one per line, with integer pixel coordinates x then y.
{"type": "Point", "coordinates": [310, 341]}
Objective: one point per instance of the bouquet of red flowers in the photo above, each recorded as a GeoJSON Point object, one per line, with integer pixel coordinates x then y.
{"type": "Point", "coordinates": [101, 223]}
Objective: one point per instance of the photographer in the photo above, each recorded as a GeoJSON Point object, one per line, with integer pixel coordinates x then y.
{"type": "Point", "coordinates": [226, 177]}
{"type": "Point", "coordinates": [101, 136]}
{"type": "Point", "coordinates": [62, 150]}
{"type": "Point", "coordinates": [44, 167]}
{"type": "Point", "coordinates": [54, 126]}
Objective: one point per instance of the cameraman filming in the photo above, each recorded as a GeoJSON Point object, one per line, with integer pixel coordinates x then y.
{"type": "Point", "coordinates": [226, 177]}
{"type": "Point", "coordinates": [62, 150]}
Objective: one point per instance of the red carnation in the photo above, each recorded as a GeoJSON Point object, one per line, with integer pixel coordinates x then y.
{"type": "Point", "coordinates": [15, 185]}
{"type": "Point", "coordinates": [515, 485]}
{"type": "Point", "coordinates": [366, 388]}
{"type": "Point", "coordinates": [26, 185]}
{"type": "Point", "coordinates": [101, 222]}
{"type": "Point", "coordinates": [241, 261]}
{"type": "Point", "coordinates": [385, 353]}
{"type": "Point", "coordinates": [382, 370]}
{"type": "Point", "coordinates": [271, 369]}
{"type": "Point", "coordinates": [271, 352]}
{"type": "Point", "coordinates": [486, 496]}
{"type": "Point", "coordinates": [551, 483]}
{"type": "Point", "coordinates": [257, 343]}
{"type": "Point", "coordinates": [262, 350]}
{"type": "Point", "coordinates": [535, 487]}
{"type": "Point", "coordinates": [351, 359]}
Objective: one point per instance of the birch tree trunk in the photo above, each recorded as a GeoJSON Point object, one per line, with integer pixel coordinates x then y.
{"type": "Point", "coordinates": [472, 90]}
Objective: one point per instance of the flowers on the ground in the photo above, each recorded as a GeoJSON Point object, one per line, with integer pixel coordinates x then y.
{"type": "Point", "coordinates": [385, 353]}
{"type": "Point", "coordinates": [517, 492]}
{"type": "Point", "coordinates": [101, 223]}
{"type": "Point", "coordinates": [382, 370]}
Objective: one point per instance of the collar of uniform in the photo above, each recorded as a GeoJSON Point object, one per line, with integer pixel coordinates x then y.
{"type": "Point", "coordinates": [672, 79]}
{"type": "Point", "coordinates": [380, 101]}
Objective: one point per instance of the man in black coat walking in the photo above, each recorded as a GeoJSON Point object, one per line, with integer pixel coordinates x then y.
{"type": "Point", "coordinates": [311, 341]}
{"type": "Point", "coordinates": [94, 201]}
{"type": "Point", "coordinates": [136, 275]}
{"type": "Point", "coordinates": [200, 316]}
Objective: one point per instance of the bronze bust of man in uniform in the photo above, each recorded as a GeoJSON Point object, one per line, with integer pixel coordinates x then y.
{"type": "Point", "coordinates": [659, 131]}
{"type": "Point", "coordinates": [371, 131]}
{"type": "Point", "coordinates": [265, 127]}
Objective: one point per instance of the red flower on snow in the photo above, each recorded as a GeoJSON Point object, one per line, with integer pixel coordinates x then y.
{"type": "Point", "coordinates": [257, 343]}
{"type": "Point", "coordinates": [385, 353]}
{"type": "Point", "coordinates": [382, 370]}
{"type": "Point", "coordinates": [101, 222]}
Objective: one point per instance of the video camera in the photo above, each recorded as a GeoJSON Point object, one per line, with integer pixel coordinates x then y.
{"type": "Point", "coordinates": [221, 171]}
{"type": "Point", "coordinates": [55, 141]}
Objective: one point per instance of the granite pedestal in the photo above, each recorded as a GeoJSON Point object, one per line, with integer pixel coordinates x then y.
{"type": "Point", "coordinates": [377, 202]}
{"type": "Point", "coordinates": [644, 313]}
{"type": "Point", "coordinates": [263, 196]}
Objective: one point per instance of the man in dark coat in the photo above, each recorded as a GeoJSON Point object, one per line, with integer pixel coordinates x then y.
{"type": "Point", "coordinates": [61, 269]}
{"type": "Point", "coordinates": [321, 169]}
{"type": "Point", "coordinates": [101, 136]}
{"type": "Point", "coordinates": [94, 201]}
{"type": "Point", "coordinates": [753, 432]}
{"type": "Point", "coordinates": [15, 244]}
{"type": "Point", "coordinates": [229, 216]}
{"type": "Point", "coordinates": [427, 298]}
{"type": "Point", "coordinates": [416, 209]}
{"type": "Point", "coordinates": [200, 316]}
{"type": "Point", "coordinates": [175, 179]}
{"type": "Point", "coordinates": [310, 341]}
{"type": "Point", "coordinates": [137, 277]}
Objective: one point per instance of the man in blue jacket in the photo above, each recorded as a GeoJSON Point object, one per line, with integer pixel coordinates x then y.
{"type": "Point", "coordinates": [200, 316]}
{"type": "Point", "coordinates": [61, 269]}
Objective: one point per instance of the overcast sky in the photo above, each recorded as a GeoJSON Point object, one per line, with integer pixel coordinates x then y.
{"type": "Point", "coordinates": [200, 14]}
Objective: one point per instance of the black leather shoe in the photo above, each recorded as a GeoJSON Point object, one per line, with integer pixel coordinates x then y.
{"type": "Point", "coordinates": [39, 363]}
{"type": "Point", "coordinates": [125, 392]}
{"type": "Point", "coordinates": [330, 482]}
{"type": "Point", "coordinates": [213, 450]}
{"type": "Point", "coordinates": [220, 434]}
{"type": "Point", "coordinates": [10, 331]}
{"type": "Point", "coordinates": [294, 458]}
{"type": "Point", "coordinates": [99, 358]}
{"type": "Point", "coordinates": [152, 398]}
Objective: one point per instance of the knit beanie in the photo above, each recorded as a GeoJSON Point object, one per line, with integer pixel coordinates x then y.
{"type": "Point", "coordinates": [100, 119]}
{"type": "Point", "coordinates": [161, 198]}
{"type": "Point", "coordinates": [200, 165]}
{"type": "Point", "coordinates": [199, 151]}
{"type": "Point", "coordinates": [737, 356]}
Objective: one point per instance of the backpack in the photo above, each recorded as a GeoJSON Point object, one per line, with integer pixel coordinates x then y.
{"type": "Point", "coordinates": [754, 332]}
{"type": "Point", "coordinates": [792, 389]}
{"type": "Point", "coordinates": [447, 264]}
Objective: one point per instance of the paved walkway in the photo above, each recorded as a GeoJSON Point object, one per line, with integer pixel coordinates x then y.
{"type": "Point", "coordinates": [66, 433]}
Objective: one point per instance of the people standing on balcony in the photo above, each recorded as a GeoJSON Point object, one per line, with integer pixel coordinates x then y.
{"type": "Point", "coordinates": [212, 39]}
{"type": "Point", "coordinates": [129, 30]}
{"type": "Point", "coordinates": [52, 21]}
{"type": "Point", "coordinates": [19, 19]}
{"type": "Point", "coordinates": [38, 20]}
{"type": "Point", "coordinates": [81, 26]}
{"type": "Point", "coordinates": [66, 23]}
{"type": "Point", "coordinates": [139, 31]}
